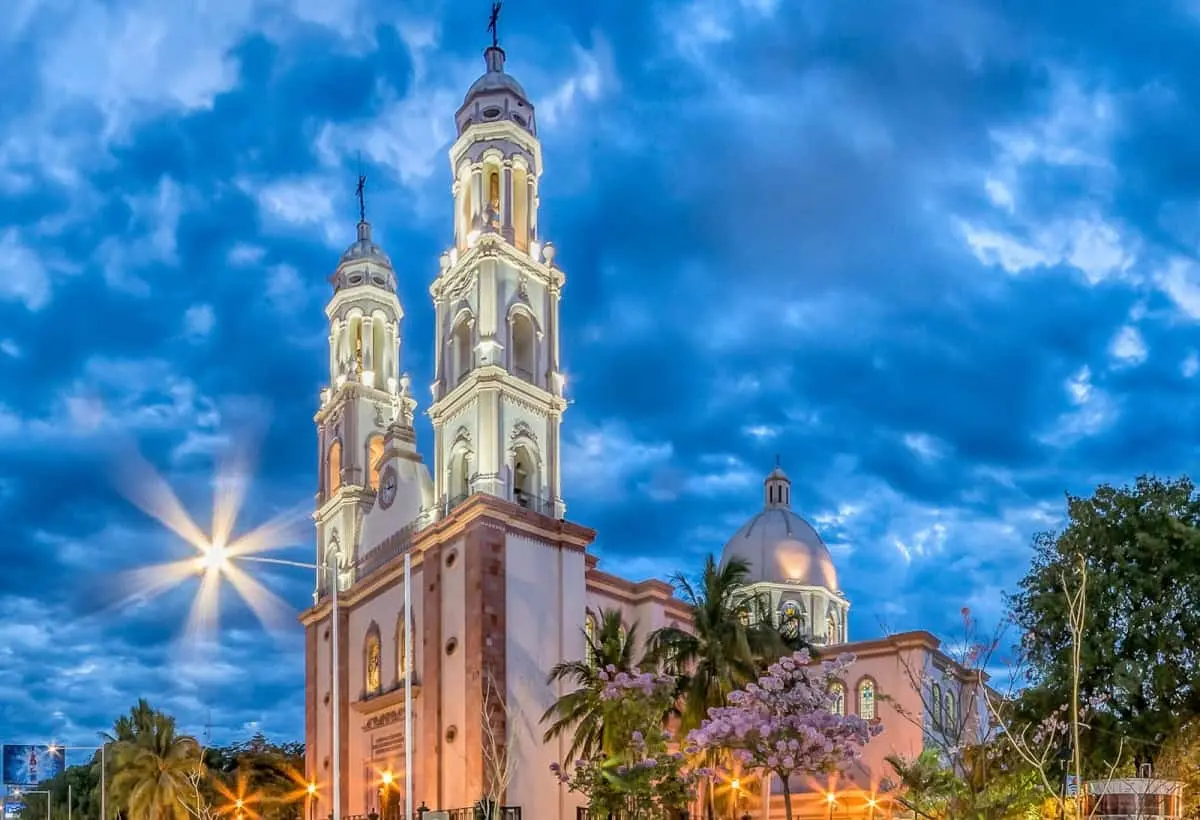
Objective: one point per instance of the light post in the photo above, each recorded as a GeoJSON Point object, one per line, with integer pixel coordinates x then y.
{"type": "Point", "coordinates": [217, 555]}
{"type": "Point", "coordinates": [20, 792]}
{"type": "Point", "coordinates": [311, 799]}
{"type": "Point", "coordinates": [103, 749]}
{"type": "Point", "coordinates": [736, 786]}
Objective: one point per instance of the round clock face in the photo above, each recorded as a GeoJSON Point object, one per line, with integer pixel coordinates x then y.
{"type": "Point", "coordinates": [387, 487]}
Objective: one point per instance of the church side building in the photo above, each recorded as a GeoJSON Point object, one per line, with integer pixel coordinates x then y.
{"type": "Point", "coordinates": [502, 586]}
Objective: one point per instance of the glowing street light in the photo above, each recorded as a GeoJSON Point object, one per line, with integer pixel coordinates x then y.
{"type": "Point", "coordinates": [216, 561]}
{"type": "Point", "coordinates": [18, 793]}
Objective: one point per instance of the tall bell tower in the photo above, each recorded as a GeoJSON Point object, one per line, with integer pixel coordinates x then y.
{"type": "Point", "coordinates": [366, 409]}
{"type": "Point", "coordinates": [498, 387]}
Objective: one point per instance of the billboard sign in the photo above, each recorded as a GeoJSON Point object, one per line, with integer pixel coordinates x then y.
{"type": "Point", "coordinates": [27, 765]}
{"type": "Point", "coordinates": [13, 802]}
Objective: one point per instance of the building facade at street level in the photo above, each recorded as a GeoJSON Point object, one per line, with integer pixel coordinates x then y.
{"type": "Point", "coordinates": [502, 584]}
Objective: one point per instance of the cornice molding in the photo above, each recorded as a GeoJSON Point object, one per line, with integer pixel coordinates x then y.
{"type": "Point", "coordinates": [495, 246]}
{"type": "Point", "coordinates": [495, 378]}
{"type": "Point", "coordinates": [487, 131]}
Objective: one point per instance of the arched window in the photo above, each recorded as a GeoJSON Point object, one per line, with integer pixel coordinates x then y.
{"type": "Point", "coordinates": [374, 460]}
{"type": "Point", "coordinates": [523, 352]}
{"type": "Point", "coordinates": [831, 629]}
{"type": "Point", "coordinates": [866, 699]}
{"type": "Point", "coordinates": [837, 698]}
{"type": "Point", "coordinates": [464, 356]}
{"type": "Point", "coordinates": [622, 635]}
{"type": "Point", "coordinates": [333, 468]}
{"type": "Point", "coordinates": [935, 705]}
{"type": "Point", "coordinates": [791, 618]}
{"type": "Point", "coordinates": [525, 481]}
{"type": "Point", "coordinates": [589, 634]}
{"type": "Point", "coordinates": [373, 681]}
{"type": "Point", "coordinates": [460, 475]}
{"type": "Point", "coordinates": [401, 642]}
{"type": "Point", "coordinates": [494, 188]}
{"type": "Point", "coordinates": [950, 711]}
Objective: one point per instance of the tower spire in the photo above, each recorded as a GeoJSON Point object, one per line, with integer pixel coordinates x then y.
{"type": "Point", "coordinates": [493, 22]}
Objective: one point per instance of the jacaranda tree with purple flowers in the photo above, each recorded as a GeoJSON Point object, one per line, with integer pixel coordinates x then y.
{"type": "Point", "coordinates": [640, 775]}
{"type": "Point", "coordinates": [785, 724]}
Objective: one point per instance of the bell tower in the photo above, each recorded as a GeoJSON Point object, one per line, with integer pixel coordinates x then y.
{"type": "Point", "coordinates": [498, 387]}
{"type": "Point", "coordinates": [365, 403]}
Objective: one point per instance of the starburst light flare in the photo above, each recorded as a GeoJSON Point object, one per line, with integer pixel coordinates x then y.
{"type": "Point", "coordinates": [216, 553]}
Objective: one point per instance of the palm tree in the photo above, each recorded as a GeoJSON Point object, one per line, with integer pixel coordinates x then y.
{"type": "Point", "coordinates": [731, 641]}
{"type": "Point", "coordinates": [608, 647]}
{"type": "Point", "coordinates": [153, 765]}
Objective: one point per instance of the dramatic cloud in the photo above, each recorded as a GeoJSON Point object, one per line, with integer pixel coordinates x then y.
{"type": "Point", "coordinates": [942, 259]}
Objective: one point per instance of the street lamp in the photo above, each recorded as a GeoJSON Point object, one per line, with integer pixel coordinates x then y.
{"type": "Point", "coordinates": [213, 559]}
{"type": "Point", "coordinates": [311, 797]}
{"type": "Point", "coordinates": [103, 749]}
{"type": "Point", "coordinates": [21, 792]}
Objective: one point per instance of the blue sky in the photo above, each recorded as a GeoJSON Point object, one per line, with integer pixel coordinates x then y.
{"type": "Point", "coordinates": [940, 257]}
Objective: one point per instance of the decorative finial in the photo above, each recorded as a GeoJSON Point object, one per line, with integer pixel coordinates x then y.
{"type": "Point", "coordinates": [492, 24]}
{"type": "Point", "coordinates": [360, 192]}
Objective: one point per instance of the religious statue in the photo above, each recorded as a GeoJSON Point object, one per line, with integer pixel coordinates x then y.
{"type": "Point", "coordinates": [374, 680]}
{"type": "Point", "coordinates": [406, 404]}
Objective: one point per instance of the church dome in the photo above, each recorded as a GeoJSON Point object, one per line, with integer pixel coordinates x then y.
{"type": "Point", "coordinates": [495, 81]}
{"type": "Point", "coordinates": [496, 97]}
{"type": "Point", "coordinates": [780, 546]}
{"type": "Point", "coordinates": [364, 247]}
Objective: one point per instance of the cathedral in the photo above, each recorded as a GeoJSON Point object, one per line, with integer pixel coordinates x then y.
{"type": "Point", "coordinates": [457, 588]}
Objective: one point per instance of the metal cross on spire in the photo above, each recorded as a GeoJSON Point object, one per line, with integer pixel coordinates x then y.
{"type": "Point", "coordinates": [361, 193]}
{"type": "Point", "coordinates": [492, 24]}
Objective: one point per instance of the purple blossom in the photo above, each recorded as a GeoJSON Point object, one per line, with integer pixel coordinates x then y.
{"type": "Point", "coordinates": [784, 722]}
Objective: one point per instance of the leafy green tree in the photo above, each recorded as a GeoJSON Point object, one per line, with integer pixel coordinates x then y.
{"type": "Point", "coordinates": [580, 710]}
{"type": "Point", "coordinates": [732, 639]}
{"type": "Point", "coordinates": [267, 777]}
{"type": "Point", "coordinates": [1138, 669]}
{"type": "Point", "coordinates": [153, 766]}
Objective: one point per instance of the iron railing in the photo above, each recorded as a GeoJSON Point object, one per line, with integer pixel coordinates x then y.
{"type": "Point", "coordinates": [585, 813]}
{"type": "Point", "coordinates": [480, 812]}
{"type": "Point", "coordinates": [543, 506]}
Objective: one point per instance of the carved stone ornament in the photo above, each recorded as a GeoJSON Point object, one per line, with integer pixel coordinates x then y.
{"type": "Point", "coordinates": [384, 719]}
{"type": "Point", "coordinates": [522, 430]}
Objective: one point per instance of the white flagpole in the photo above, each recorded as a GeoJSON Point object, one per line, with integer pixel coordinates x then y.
{"type": "Point", "coordinates": [408, 715]}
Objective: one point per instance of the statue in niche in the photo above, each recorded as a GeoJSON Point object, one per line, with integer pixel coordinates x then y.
{"type": "Point", "coordinates": [358, 349]}
{"type": "Point", "coordinates": [492, 216]}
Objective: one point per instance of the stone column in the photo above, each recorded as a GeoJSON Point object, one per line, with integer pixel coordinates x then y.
{"type": "Point", "coordinates": [506, 200]}
{"type": "Point", "coordinates": [460, 235]}
{"type": "Point", "coordinates": [367, 329]}
{"type": "Point", "coordinates": [477, 196]}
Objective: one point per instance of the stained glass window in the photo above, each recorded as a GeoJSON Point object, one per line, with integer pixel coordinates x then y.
{"type": "Point", "coordinates": [866, 699]}
{"type": "Point", "coordinates": [589, 632]}
{"type": "Point", "coordinates": [935, 705]}
{"type": "Point", "coordinates": [791, 617]}
{"type": "Point", "coordinates": [838, 701]}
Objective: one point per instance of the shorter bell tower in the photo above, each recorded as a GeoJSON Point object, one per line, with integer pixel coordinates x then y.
{"type": "Point", "coordinates": [365, 418]}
